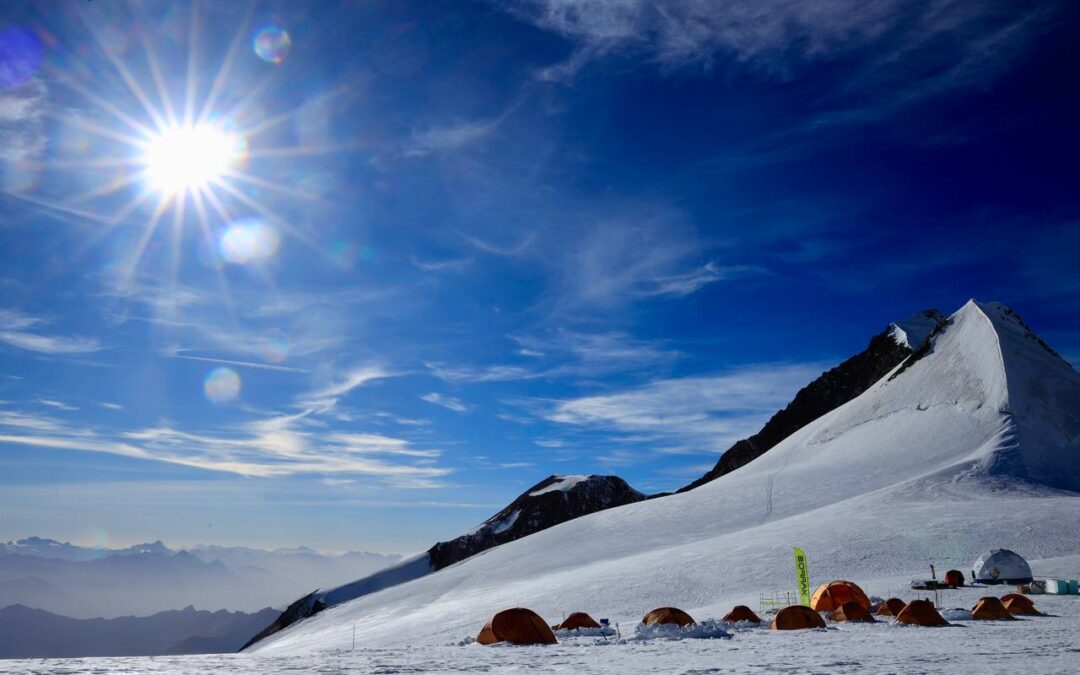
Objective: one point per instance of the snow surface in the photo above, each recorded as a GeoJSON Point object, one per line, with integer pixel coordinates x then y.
{"type": "Point", "coordinates": [927, 467]}
{"type": "Point", "coordinates": [1047, 644]}
{"type": "Point", "coordinates": [406, 570]}
{"type": "Point", "coordinates": [506, 523]}
{"type": "Point", "coordinates": [564, 484]}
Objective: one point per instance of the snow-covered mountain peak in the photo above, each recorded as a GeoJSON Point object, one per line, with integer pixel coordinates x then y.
{"type": "Point", "coordinates": [972, 442]}
{"type": "Point", "coordinates": [914, 331]}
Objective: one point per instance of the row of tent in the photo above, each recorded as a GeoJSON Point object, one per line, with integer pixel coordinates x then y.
{"type": "Point", "coordinates": [843, 600]}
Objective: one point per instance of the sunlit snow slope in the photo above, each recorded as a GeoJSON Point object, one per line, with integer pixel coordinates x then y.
{"type": "Point", "coordinates": [975, 444]}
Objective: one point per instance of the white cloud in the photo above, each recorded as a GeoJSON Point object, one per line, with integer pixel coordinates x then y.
{"type": "Point", "coordinates": [13, 333]}
{"type": "Point", "coordinates": [59, 405]}
{"type": "Point", "coordinates": [353, 379]}
{"type": "Point", "coordinates": [174, 353]}
{"type": "Point", "coordinates": [480, 374]}
{"type": "Point", "coordinates": [637, 256]}
{"type": "Point", "coordinates": [277, 445]}
{"type": "Point", "coordinates": [500, 249]}
{"type": "Point", "coordinates": [778, 36]}
{"type": "Point", "coordinates": [593, 354]}
{"type": "Point", "coordinates": [22, 137]}
{"type": "Point", "coordinates": [565, 353]}
{"type": "Point", "coordinates": [449, 402]}
{"type": "Point", "coordinates": [449, 265]}
{"type": "Point", "coordinates": [693, 280]}
{"type": "Point", "coordinates": [549, 443]}
{"type": "Point", "coordinates": [708, 411]}
{"type": "Point", "coordinates": [447, 138]}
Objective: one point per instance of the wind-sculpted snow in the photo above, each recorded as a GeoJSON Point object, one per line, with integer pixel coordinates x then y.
{"type": "Point", "coordinates": [907, 474]}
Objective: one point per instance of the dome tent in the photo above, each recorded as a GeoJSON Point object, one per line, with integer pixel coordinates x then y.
{"type": "Point", "coordinates": [668, 615]}
{"type": "Point", "coordinates": [1001, 566]}
{"type": "Point", "coordinates": [518, 626]}
{"type": "Point", "coordinates": [741, 613]}
{"type": "Point", "coordinates": [921, 613]}
{"type": "Point", "coordinates": [1019, 604]}
{"type": "Point", "coordinates": [891, 607]}
{"type": "Point", "coordinates": [833, 595]}
{"type": "Point", "coordinates": [797, 617]}
{"type": "Point", "coordinates": [990, 609]}
{"type": "Point", "coordinates": [577, 620]}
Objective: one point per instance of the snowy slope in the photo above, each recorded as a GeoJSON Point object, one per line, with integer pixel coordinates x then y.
{"type": "Point", "coordinates": [970, 445]}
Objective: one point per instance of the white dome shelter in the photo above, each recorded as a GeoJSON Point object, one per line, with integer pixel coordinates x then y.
{"type": "Point", "coordinates": [1002, 566]}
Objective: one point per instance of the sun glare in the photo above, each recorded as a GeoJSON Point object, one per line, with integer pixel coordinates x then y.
{"type": "Point", "coordinates": [188, 158]}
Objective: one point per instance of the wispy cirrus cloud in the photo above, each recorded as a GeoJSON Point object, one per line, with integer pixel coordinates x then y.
{"type": "Point", "coordinates": [14, 331]}
{"type": "Point", "coordinates": [176, 354]}
{"type": "Point", "coordinates": [565, 354]}
{"type": "Point", "coordinates": [448, 138]}
{"type": "Point", "coordinates": [494, 373]}
{"type": "Point", "coordinates": [777, 37]}
{"type": "Point", "coordinates": [641, 256]}
{"type": "Point", "coordinates": [448, 265]}
{"type": "Point", "coordinates": [502, 249]}
{"type": "Point", "coordinates": [56, 405]}
{"type": "Point", "coordinates": [706, 413]}
{"type": "Point", "coordinates": [352, 379]}
{"type": "Point", "coordinates": [448, 402]}
{"type": "Point", "coordinates": [277, 445]}
{"type": "Point", "coordinates": [22, 134]}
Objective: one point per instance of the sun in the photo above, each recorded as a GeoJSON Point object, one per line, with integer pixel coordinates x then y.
{"type": "Point", "coordinates": [190, 158]}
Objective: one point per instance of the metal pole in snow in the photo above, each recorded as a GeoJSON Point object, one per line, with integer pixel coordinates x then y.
{"type": "Point", "coordinates": [933, 578]}
{"type": "Point", "coordinates": [354, 637]}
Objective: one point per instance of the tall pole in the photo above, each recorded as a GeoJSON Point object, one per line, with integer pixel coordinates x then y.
{"type": "Point", "coordinates": [933, 579]}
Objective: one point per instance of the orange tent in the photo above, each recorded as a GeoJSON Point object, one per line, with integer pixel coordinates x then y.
{"type": "Point", "coordinates": [954, 578]}
{"type": "Point", "coordinates": [741, 613]}
{"type": "Point", "coordinates": [852, 611]}
{"type": "Point", "coordinates": [832, 595]}
{"type": "Point", "coordinates": [990, 609]}
{"type": "Point", "coordinates": [577, 620]}
{"type": "Point", "coordinates": [670, 615]}
{"type": "Point", "coordinates": [921, 613]}
{"type": "Point", "coordinates": [519, 626]}
{"type": "Point", "coordinates": [797, 617]}
{"type": "Point", "coordinates": [891, 607]}
{"type": "Point", "coordinates": [1019, 604]}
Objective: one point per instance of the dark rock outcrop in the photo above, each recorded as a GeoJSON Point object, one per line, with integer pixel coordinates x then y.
{"type": "Point", "coordinates": [554, 500]}
{"type": "Point", "coordinates": [830, 391]}
{"type": "Point", "coordinates": [309, 605]}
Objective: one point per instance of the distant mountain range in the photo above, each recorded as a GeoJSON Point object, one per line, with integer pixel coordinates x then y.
{"type": "Point", "coordinates": [34, 633]}
{"type": "Point", "coordinates": [84, 582]}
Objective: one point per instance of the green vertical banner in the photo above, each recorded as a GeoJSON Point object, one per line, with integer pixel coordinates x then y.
{"type": "Point", "coordinates": [803, 574]}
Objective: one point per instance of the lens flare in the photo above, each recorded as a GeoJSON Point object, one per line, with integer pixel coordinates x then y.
{"type": "Point", "coordinates": [185, 158]}
{"type": "Point", "coordinates": [275, 349]}
{"type": "Point", "coordinates": [222, 385]}
{"type": "Point", "coordinates": [249, 241]}
{"type": "Point", "coordinates": [272, 44]}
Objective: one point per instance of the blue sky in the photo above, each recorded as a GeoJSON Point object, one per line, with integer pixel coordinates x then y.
{"type": "Point", "coordinates": [460, 246]}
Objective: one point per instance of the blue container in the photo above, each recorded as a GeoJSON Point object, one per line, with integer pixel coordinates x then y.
{"type": "Point", "coordinates": [1057, 586]}
{"type": "Point", "coordinates": [1074, 586]}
